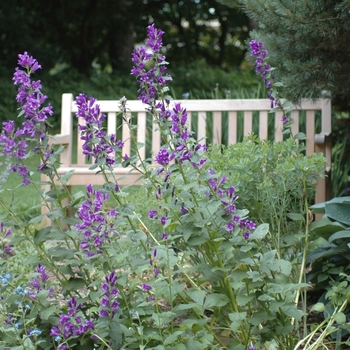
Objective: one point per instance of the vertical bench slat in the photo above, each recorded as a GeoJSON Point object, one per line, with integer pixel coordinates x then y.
{"type": "Point", "coordinates": [155, 140]}
{"type": "Point", "coordinates": [263, 125]}
{"type": "Point", "coordinates": [189, 120]}
{"type": "Point", "coordinates": [126, 137]}
{"type": "Point", "coordinates": [248, 123]}
{"type": "Point", "coordinates": [111, 123]}
{"type": "Point", "coordinates": [67, 128]}
{"type": "Point", "coordinates": [141, 132]}
{"type": "Point", "coordinates": [80, 156]}
{"type": "Point", "coordinates": [112, 126]}
{"type": "Point", "coordinates": [217, 130]}
{"type": "Point", "coordinates": [310, 132]}
{"type": "Point", "coordinates": [202, 125]}
{"type": "Point", "coordinates": [295, 118]}
{"type": "Point", "coordinates": [278, 126]}
{"type": "Point", "coordinates": [232, 128]}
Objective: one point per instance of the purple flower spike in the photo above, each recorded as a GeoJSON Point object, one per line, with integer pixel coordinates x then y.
{"type": "Point", "coordinates": [109, 302]}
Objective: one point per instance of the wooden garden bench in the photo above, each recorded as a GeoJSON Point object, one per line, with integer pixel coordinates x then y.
{"type": "Point", "coordinates": [229, 116]}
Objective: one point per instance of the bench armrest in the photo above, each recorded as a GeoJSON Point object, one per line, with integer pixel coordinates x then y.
{"type": "Point", "coordinates": [323, 138]}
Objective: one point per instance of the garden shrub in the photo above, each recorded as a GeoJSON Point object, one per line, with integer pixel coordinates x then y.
{"type": "Point", "coordinates": [273, 180]}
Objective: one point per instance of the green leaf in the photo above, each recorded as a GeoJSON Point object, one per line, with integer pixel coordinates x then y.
{"type": "Point", "coordinates": [172, 338]}
{"type": "Point", "coordinates": [75, 284]}
{"type": "Point", "coordinates": [325, 226]}
{"type": "Point", "coordinates": [318, 307]}
{"type": "Point", "coordinates": [236, 319]}
{"type": "Point", "coordinates": [36, 219]}
{"type": "Point", "coordinates": [339, 212]}
{"type": "Point", "coordinates": [339, 235]}
{"type": "Point", "coordinates": [216, 299]}
{"type": "Point", "coordinates": [295, 216]}
{"type": "Point", "coordinates": [300, 136]}
{"type": "Point", "coordinates": [66, 176]}
{"type": "Point", "coordinates": [340, 317]}
{"type": "Point", "coordinates": [196, 307]}
{"type": "Point", "coordinates": [47, 312]}
{"type": "Point", "coordinates": [260, 232]}
{"type": "Point", "coordinates": [197, 295]}
{"type": "Point", "coordinates": [140, 145]}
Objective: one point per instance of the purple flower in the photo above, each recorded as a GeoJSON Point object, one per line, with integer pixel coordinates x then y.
{"type": "Point", "coordinates": [164, 236]}
{"type": "Point", "coordinates": [164, 157]}
{"type": "Point", "coordinates": [145, 287]}
{"type": "Point", "coordinates": [152, 214]}
{"type": "Point", "coordinates": [163, 220]}
{"type": "Point", "coordinates": [284, 119]}
{"type": "Point", "coordinates": [230, 226]}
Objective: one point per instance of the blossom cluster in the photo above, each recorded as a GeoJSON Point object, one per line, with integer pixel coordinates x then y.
{"type": "Point", "coordinates": [5, 247]}
{"type": "Point", "coordinates": [71, 324]}
{"type": "Point", "coordinates": [103, 150]}
{"type": "Point", "coordinates": [39, 281]}
{"type": "Point", "coordinates": [228, 198]}
{"type": "Point", "coordinates": [261, 67]}
{"type": "Point", "coordinates": [13, 141]}
{"type": "Point", "coordinates": [153, 84]}
{"type": "Point", "coordinates": [97, 226]}
{"type": "Point", "coordinates": [155, 79]}
{"type": "Point", "coordinates": [109, 304]}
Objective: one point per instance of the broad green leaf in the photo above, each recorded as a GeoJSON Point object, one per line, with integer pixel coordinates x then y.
{"type": "Point", "coordinates": [340, 317]}
{"type": "Point", "coordinates": [216, 299]}
{"type": "Point", "coordinates": [198, 308]}
{"type": "Point", "coordinates": [172, 338]}
{"type": "Point", "coordinates": [319, 208]}
{"type": "Point", "coordinates": [236, 319]}
{"type": "Point", "coordinates": [324, 226]}
{"type": "Point", "coordinates": [260, 232]}
{"type": "Point", "coordinates": [36, 219]}
{"type": "Point", "coordinates": [66, 176]}
{"type": "Point", "coordinates": [339, 235]}
{"type": "Point", "coordinates": [140, 145]}
{"type": "Point", "coordinates": [197, 295]}
{"type": "Point", "coordinates": [318, 307]}
{"type": "Point", "coordinates": [339, 212]}
{"type": "Point", "coordinates": [287, 104]}
{"type": "Point", "coordinates": [47, 312]}
{"type": "Point", "coordinates": [300, 136]}
{"type": "Point", "coordinates": [295, 216]}
{"type": "Point", "coordinates": [75, 284]}
{"type": "Point", "coordinates": [292, 311]}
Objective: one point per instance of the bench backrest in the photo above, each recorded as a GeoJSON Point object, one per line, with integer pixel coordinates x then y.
{"type": "Point", "coordinates": [234, 110]}
{"type": "Point", "coordinates": [229, 116]}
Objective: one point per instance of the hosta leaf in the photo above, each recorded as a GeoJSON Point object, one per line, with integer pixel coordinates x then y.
{"type": "Point", "coordinates": [344, 234]}
{"type": "Point", "coordinates": [339, 212]}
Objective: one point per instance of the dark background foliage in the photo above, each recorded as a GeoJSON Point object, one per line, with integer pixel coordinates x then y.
{"type": "Point", "coordinates": [86, 45]}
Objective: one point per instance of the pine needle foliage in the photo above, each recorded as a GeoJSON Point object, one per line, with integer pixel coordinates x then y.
{"type": "Point", "coordinates": [308, 43]}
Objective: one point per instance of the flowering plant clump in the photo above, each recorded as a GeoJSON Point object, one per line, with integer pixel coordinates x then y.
{"type": "Point", "coordinates": [190, 271]}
